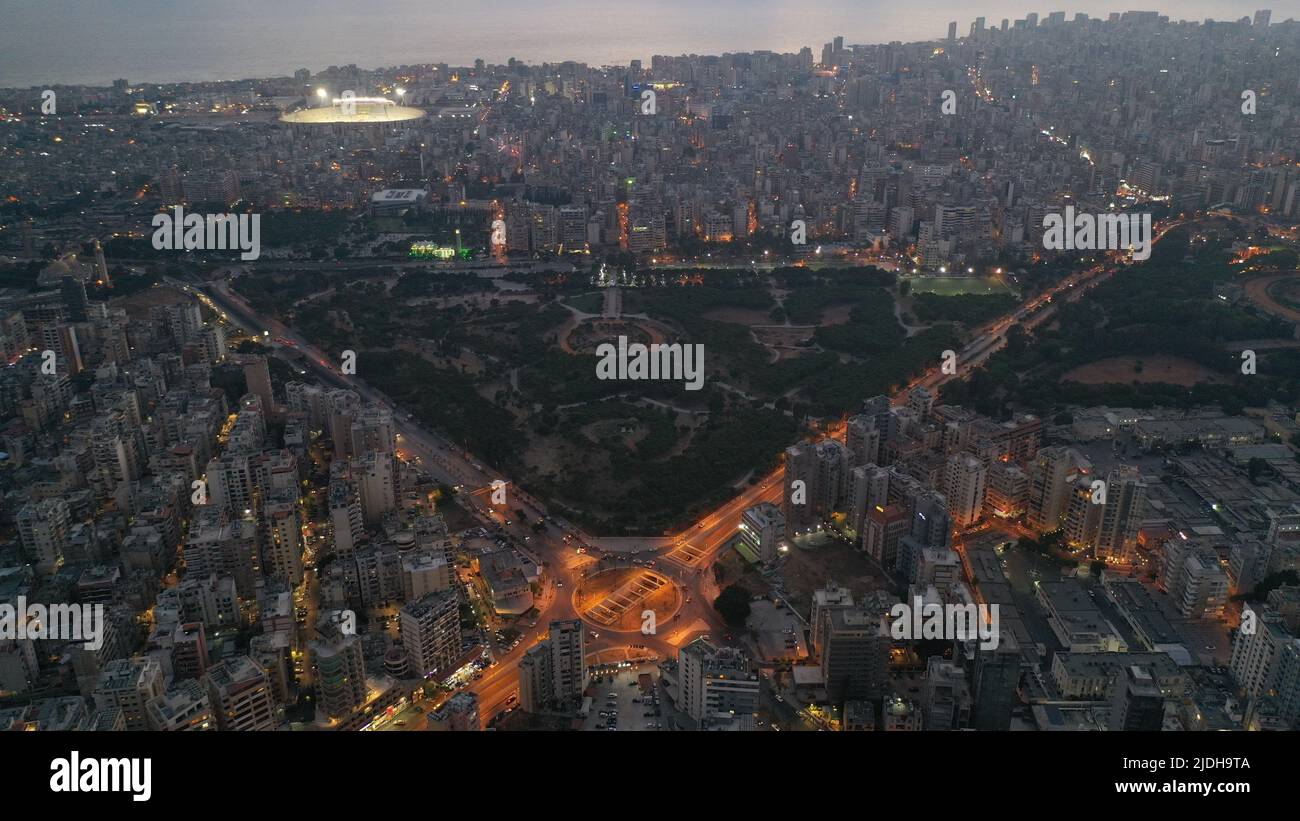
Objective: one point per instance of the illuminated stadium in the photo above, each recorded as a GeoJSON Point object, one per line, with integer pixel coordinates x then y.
{"type": "Point", "coordinates": [354, 110]}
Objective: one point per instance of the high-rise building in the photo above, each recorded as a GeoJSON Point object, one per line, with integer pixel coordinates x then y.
{"type": "Point", "coordinates": [715, 685]}
{"type": "Point", "coordinates": [854, 649]}
{"type": "Point", "coordinates": [1049, 487]}
{"type": "Point", "coordinates": [921, 401]}
{"type": "Point", "coordinates": [829, 487]}
{"type": "Point", "coordinates": [257, 377]}
{"type": "Point", "coordinates": [430, 629]}
{"type": "Point", "coordinates": [573, 227]}
{"type": "Point", "coordinates": [945, 696]}
{"type": "Point", "coordinates": [282, 537]}
{"type": "Point", "coordinates": [996, 680]}
{"type": "Point", "coordinates": [1203, 587]}
{"type": "Point", "coordinates": [885, 526]}
{"type": "Point", "coordinates": [931, 523]}
{"type": "Point", "coordinates": [240, 695]}
{"type": "Point", "coordinates": [762, 529]}
{"type": "Point", "coordinates": [826, 599]}
{"type": "Point", "coordinates": [535, 678]}
{"type": "Point", "coordinates": [376, 477]}
{"type": "Point", "coordinates": [1007, 491]}
{"type": "Point", "coordinates": [183, 708]}
{"type": "Point", "coordinates": [74, 299]}
{"type": "Point", "coordinates": [373, 430]}
{"type": "Point", "coordinates": [1082, 517]}
{"type": "Point", "coordinates": [225, 546]}
{"type": "Point", "coordinates": [868, 488]}
{"type": "Point", "coordinates": [1137, 702]}
{"type": "Point", "coordinates": [230, 483]}
{"type": "Point", "coordinates": [129, 685]}
{"type": "Point", "coordinates": [346, 518]}
{"type": "Point", "coordinates": [189, 650]}
{"type": "Point", "coordinates": [797, 499]}
{"type": "Point", "coordinates": [568, 660]}
{"type": "Point", "coordinates": [1266, 662]}
{"type": "Point", "coordinates": [1121, 515]}
{"type": "Point", "coordinates": [43, 529]}
{"type": "Point", "coordinates": [964, 486]}
{"type": "Point", "coordinates": [863, 439]}
{"type": "Point", "coordinates": [339, 671]}
{"type": "Point", "coordinates": [553, 673]}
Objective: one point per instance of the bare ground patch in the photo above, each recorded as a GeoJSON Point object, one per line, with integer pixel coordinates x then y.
{"type": "Point", "coordinates": [781, 337]}
{"type": "Point", "coordinates": [806, 570]}
{"type": "Point", "coordinates": [137, 305]}
{"type": "Point", "coordinates": [1156, 368]}
{"type": "Point", "coordinates": [836, 314]}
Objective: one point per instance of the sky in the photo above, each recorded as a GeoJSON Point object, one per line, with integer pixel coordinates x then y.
{"type": "Point", "coordinates": [46, 42]}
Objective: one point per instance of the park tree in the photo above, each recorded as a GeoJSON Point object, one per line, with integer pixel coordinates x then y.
{"type": "Point", "coordinates": [733, 605]}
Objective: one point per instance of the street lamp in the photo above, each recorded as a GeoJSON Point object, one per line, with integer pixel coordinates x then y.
{"type": "Point", "coordinates": [322, 94]}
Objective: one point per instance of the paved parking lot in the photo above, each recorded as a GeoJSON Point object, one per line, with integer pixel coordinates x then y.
{"type": "Point", "coordinates": [631, 714]}
{"type": "Point", "coordinates": [780, 632]}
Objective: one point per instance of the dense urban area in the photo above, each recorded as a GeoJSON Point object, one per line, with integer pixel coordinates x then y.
{"type": "Point", "coordinates": [307, 422]}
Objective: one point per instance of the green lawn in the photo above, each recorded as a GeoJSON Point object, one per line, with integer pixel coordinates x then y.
{"type": "Point", "coordinates": [952, 286]}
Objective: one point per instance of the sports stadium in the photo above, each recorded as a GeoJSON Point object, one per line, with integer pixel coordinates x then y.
{"type": "Point", "coordinates": [354, 110]}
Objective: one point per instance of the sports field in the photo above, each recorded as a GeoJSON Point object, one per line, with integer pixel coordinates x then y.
{"type": "Point", "coordinates": [952, 286]}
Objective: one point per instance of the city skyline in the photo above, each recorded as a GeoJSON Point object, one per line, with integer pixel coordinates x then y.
{"type": "Point", "coordinates": [926, 386]}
